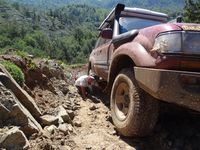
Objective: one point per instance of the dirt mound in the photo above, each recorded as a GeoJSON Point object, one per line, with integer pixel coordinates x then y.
{"type": "Point", "coordinates": [37, 72]}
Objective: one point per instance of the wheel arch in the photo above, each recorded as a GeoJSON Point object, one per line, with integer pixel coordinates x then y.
{"type": "Point", "coordinates": [120, 62]}
{"type": "Point", "coordinates": [126, 56]}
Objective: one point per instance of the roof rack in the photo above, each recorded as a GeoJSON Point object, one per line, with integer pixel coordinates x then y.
{"type": "Point", "coordinates": [131, 11]}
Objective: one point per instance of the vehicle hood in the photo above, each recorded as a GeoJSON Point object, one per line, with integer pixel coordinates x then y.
{"type": "Point", "coordinates": [153, 31]}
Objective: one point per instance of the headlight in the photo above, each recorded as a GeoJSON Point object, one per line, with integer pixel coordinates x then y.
{"type": "Point", "coordinates": [178, 42]}
{"type": "Point", "coordinates": [168, 43]}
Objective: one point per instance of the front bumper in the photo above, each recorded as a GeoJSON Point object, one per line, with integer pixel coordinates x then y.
{"type": "Point", "coordinates": [171, 86]}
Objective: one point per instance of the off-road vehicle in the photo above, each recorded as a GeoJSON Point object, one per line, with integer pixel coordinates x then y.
{"type": "Point", "coordinates": [144, 58]}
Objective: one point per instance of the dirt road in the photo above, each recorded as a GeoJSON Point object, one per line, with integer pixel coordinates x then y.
{"type": "Point", "coordinates": [176, 129]}
{"type": "Point", "coordinates": [93, 129]}
{"type": "Point", "coordinates": [97, 131]}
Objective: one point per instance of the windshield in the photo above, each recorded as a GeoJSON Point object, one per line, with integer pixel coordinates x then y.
{"type": "Point", "coordinates": [130, 23]}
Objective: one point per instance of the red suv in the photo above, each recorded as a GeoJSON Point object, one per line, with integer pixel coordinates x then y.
{"type": "Point", "coordinates": [144, 58]}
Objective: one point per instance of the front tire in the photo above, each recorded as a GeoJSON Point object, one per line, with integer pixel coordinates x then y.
{"type": "Point", "coordinates": [134, 112]}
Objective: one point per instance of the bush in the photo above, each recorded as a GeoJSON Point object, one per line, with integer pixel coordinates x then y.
{"type": "Point", "coordinates": [15, 71]}
{"type": "Point", "coordinates": [21, 54]}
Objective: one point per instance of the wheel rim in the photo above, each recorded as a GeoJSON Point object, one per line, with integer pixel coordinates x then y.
{"type": "Point", "coordinates": [122, 101]}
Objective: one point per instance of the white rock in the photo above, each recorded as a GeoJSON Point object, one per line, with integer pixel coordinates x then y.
{"type": "Point", "coordinates": [64, 115]}
{"type": "Point", "coordinates": [51, 129]}
{"type": "Point", "coordinates": [48, 120]}
{"type": "Point", "coordinates": [63, 128]}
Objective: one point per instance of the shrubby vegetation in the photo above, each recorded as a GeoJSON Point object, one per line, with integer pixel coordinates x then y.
{"type": "Point", "coordinates": [171, 7]}
{"type": "Point", "coordinates": [192, 11]}
{"type": "Point", "coordinates": [66, 33]}
{"type": "Point", "coordinates": [15, 71]}
{"type": "Point", "coordinates": [150, 4]}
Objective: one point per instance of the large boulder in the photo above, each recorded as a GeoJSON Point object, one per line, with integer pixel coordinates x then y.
{"type": "Point", "coordinates": [12, 112]}
{"type": "Point", "coordinates": [34, 77]}
{"type": "Point", "coordinates": [48, 120]}
{"type": "Point", "coordinates": [62, 113]}
{"type": "Point", "coordinates": [21, 94]}
{"type": "Point", "coordinates": [63, 128]}
{"type": "Point", "coordinates": [14, 139]}
{"type": "Point", "coordinates": [51, 69]}
{"type": "Point", "coordinates": [60, 86]}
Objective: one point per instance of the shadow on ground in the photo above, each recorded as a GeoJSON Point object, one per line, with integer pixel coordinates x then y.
{"type": "Point", "coordinates": [176, 129]}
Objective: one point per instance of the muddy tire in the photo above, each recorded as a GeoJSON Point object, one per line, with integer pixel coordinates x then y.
{"type": "Point", "coordinates": [134, 112]}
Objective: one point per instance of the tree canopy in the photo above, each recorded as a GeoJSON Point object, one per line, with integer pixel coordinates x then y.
{"type": "Point", "coordinates": [192, 11]}
{"type": "Point", "coordinates": [69, 32]}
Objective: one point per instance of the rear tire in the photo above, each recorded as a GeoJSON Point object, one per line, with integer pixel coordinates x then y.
{"type": "Point", "coordinates": [134, 112]}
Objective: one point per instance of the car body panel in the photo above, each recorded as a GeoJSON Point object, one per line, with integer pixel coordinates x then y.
{"type": "Point", "coordinates": [167, 85]}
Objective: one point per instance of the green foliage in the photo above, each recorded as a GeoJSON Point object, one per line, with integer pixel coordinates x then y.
{"type": "Point", "coordinates": [4, 41]}
{"type": "Point", "coordinates": [21, 54]}
{"type": "Point", "coordinates": [192, 11]}
{"type": "Point", "coordinates": [15, 71]}
{"type": "Point", "coordinates": [31, 65]}
{"type": "Point", "coordinates": [66, 33]}
{"type": "Point", "coordinates": [151, 4]}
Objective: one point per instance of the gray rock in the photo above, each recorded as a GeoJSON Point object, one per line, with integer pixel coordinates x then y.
{"type": "Point", "coordinates": [51, 129]}
{"type": "Point", "coordinates": [21, 118]}
{"type": "Point", "coordinates": [25, 99]}
{"type": "Point", "coordinates": [65, 148]}
{"type": "Point", "coordinates": [62, 142]}
{"type": "Point", "coordinates": [71, 114]}
{"type": "Point", "coordinates": [4, 111]}
{"type": "Point", "coordinates": [92, 107]}
{"type": "Point", "coordinates": [52, 69]}
{"type": "Point", "coordinates": [14, 139]}
{"type": "Point", "coordinates": [70, 128]}
{"type": "Point", "coordinates": [60, 120]}
{"type": "Point", "coordinates": [68, 106]}
{"type": "Point", "coordinates": [48, 120]}
{"type": "Point", "coordinates": [48, 146]}
{"type": "Point", "coordinates": [63, 128]}
{"type": "Point", "coordinates": [64, 115]}
{"type": "Point", "coordinates": [60, 86]}
{"type": "Point", "coordinates": [14, 113]}
{"type": "Point", "coordinates": [77, 123]}
{"type": "Point", "coordinates": [113, 132]}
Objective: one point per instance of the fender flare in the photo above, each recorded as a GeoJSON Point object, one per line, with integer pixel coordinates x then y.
{"type": "Point", "coordinates": [132, 52]}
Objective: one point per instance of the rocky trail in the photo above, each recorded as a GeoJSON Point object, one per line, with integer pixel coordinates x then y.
{"type": "Point", "coordinates": [49, 114]}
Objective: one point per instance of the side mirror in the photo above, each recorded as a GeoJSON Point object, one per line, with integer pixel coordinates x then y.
{"type": "Point", "coordinates": [106, 33]}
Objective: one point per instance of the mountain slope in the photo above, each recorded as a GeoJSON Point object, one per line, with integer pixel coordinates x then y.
{"type": "Point", "coordinates": [151, 4]}
{"type": "Point", "coordinates": [66, 33]}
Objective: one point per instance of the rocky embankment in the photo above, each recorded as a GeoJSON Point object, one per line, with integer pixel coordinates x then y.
{"type": "Point", "coordinates": [42, 106]}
